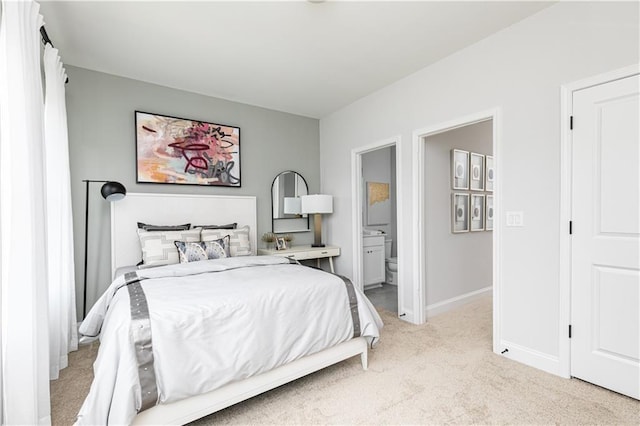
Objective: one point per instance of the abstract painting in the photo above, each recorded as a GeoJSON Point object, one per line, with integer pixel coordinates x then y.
{"type": "Point", "coordinates": [182, 151]}
{"type": "Point", "coordinates": [378, 203]}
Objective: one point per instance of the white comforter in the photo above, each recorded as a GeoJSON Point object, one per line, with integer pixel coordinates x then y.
{"type": "Point", "coordinates": [214, 322]}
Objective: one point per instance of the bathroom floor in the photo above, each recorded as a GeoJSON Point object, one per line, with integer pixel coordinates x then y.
{"type": "Point", "coordinates": [385, 297]}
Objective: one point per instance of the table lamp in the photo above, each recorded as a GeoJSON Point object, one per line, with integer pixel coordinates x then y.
{"type": "Point", "coordinates": [317, 205]}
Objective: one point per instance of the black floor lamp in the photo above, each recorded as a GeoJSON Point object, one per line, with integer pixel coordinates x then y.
{"type": "Point", "coordinates": [111, 191]}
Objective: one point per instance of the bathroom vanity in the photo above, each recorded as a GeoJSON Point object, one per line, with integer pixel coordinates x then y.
{"type": "Point", "coordinates": [373, 260]}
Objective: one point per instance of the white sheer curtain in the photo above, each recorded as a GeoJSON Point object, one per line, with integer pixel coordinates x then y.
{"type": "Point", "coordinates": [23, 262]}
{"type": "Point", "coordinates": [63, 335]}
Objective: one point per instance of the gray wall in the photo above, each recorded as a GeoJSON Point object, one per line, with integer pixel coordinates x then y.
{"type": "Point", "coordinates": [456, 263]}
{"type": "Point", "coordinates": [100, 110]}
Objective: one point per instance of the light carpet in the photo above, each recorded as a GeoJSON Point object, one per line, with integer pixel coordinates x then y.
{"type": "Point", "coordinates": [442, 372]}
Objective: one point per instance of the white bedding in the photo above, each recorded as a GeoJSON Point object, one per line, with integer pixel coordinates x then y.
{"type": "Point", "coordinates": [214, 322]}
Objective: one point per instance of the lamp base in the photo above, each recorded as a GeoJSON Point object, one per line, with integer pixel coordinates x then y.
{"type": "Point", "coordinates": [317, 230]}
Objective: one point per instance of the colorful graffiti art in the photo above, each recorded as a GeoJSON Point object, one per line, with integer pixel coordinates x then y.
{"type": "Point", "coordinates": [177, 150]}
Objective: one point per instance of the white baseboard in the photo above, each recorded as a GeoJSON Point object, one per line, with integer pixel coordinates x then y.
{"type": "Point", "coordinates": [454, 302]}
{"type": "Point", "coordinates": [545, 362]}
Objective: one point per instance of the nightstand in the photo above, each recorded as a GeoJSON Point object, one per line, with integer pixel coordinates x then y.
{"type": "Point", "coordinates": [305, 253]}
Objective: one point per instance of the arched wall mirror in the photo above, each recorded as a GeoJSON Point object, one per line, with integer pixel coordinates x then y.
{"type": "Point", "coordinates": [286, 190]}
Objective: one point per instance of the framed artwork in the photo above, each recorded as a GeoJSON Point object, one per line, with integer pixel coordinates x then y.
{"type": "Point", "coordinates": [476, 168]}
{"type": "Point", "coordinates": [378, 203]}
{"type": "Point", "coordinates": [281, 243]}
{"type": "Point", "coordinates": [189, 152]}
{"type": "Point", "coordinates": [489, 213]}
{"type": "Point", "coordinates": [490, 173]}
{"type": "Point", "coordinates": [477, 212]}
{"type": "Point", "coordinates": [459, 169]}
{"type": "Point", "coordinates": [459, 212]}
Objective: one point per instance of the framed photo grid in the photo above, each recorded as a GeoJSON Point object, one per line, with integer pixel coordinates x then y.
{"type": "Point", "coordinates": [473, 210]}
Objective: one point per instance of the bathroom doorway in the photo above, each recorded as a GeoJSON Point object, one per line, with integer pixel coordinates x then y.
{"type": "Point", "coordinates": [379, 232]}
{"type": "Point", "coordinates": [377, 222]}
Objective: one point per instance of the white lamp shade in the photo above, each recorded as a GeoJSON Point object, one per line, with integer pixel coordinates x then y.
{"type": "Point", "coordinates": [317, 203]}
{"type": "Point", "coordinates": [292, 205]}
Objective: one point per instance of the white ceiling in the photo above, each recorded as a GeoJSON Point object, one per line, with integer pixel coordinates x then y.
{"type": "Point", "coordinates": [299, 57]}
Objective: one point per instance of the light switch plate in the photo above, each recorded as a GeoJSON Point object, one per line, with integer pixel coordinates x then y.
{"type": "Point", "coordinates": [515, 219]}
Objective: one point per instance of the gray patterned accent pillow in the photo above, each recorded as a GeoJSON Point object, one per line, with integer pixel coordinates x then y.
{"type": "Point", "coordinates": [239, 242]}
{"type": "Point", "coordinates": [194, 252]}
{"type": "Point", "coordinates": [158, 247]}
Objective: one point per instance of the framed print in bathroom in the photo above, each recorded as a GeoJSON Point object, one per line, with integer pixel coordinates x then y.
{"type": "Point", "coordinates": [489, 173]}
{"type": "Point", "coordinates": [477, 212]}
{"type": "Point", "coordinates": [476, 171]}
{"type": "Point", "coordinates": [378, 203]}
{"type": "Point", "coordinates": [459, 169]}
{"type": "Point", "coordinates": [488, 212]}
{"type": "Point", "coordinates": [459, 212]}
{"type": "Point", "coordinates": [188, 152]}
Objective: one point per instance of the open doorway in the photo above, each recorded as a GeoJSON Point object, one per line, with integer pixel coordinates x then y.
{"type": "Point", "coordinates": [379, 231]}
{"type": "Point", "coordinates": [377, 224]}
{"type": "Point", "coordinates": [455, 257]}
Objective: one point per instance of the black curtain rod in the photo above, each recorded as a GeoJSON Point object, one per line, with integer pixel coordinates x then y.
{"type": "Point", "coordinates": [46, 39]}
{"type": "Point", "coordinates": [45, 36]}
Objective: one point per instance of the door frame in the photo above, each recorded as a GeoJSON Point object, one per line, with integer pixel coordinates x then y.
{"type": "Point", "coordinates": [357, 212]}
{"type": "Point", "coordinates": [566, 170]}
{"type": "Point", "coordinates": [420, 250]}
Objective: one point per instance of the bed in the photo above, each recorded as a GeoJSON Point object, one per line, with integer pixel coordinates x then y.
{"type": "Point", "coordinates": [181, 341]}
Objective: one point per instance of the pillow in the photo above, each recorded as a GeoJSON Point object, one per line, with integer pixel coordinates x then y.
{"type": "Point", "coordinates": [148, 227]}
{"type": "Point", "coordinates": [158, 247]}
{"type": "Point", "coordinates": [194, 252]}
{"type": "Point", "coordinates": [227, 226]}
{"type": "Point", "coordinates": [239, 243]}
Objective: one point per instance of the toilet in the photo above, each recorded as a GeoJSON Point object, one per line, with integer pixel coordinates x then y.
{"type": "Point", "coordinates": [391, 263]}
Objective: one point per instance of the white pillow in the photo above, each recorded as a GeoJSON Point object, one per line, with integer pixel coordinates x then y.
{"type": "Point", "coordinates": [158, 247]}
{"type": "Point", "coordinates": [239, 243]}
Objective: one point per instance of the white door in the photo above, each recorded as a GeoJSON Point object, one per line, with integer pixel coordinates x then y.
{"type": "Point", "coordinates": [605, 274]}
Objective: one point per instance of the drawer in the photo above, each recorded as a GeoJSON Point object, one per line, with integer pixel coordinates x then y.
{"type": "Point", "coordinates": [377, 240]}
{"type": "Point", "coordinates": [313, 254]}
{"type": "Point", "coordinates": [328, 252]}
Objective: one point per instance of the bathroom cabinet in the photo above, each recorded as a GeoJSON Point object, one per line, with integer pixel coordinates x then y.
{"type": "Point", "coordinates": [373, 260]}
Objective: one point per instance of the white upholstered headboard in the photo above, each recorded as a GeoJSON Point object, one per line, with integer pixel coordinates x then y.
{"type": "Point", "coordinates": [173, 209]}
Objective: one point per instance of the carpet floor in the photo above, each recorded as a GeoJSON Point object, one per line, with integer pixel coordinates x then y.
{"type": "Point", "coordinates": [442, 372]}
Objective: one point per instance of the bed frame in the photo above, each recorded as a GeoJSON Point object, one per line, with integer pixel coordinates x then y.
{"type": "Point", "coordinates": [193, 408]}
{"type": "Point", "coordinates": [174, 209]}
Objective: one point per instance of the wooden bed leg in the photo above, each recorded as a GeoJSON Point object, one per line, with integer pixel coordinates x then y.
{"type": "Point", "coordinates": [363, 358]}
